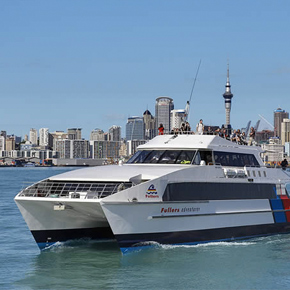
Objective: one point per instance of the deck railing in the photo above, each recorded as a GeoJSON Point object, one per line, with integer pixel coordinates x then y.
{"type": "Point", "coordinates": [89, 190]}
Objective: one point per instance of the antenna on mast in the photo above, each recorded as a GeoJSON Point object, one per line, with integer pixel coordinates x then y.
{"type": "Point", "coordinates": [188, 102]}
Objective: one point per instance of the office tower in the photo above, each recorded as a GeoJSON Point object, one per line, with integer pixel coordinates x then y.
{"type": "Point", "coordinates": [149, 125]}
{"type": "Point", "coordinates": [115, 133]}
{"type": "Point", "coordinates": [33, 136]}
{"type": "Point", "coordinates": [177, 118]}
{"type": "Point", "coordinates": [97, 134]}
{"type": "Point", "coordinates": [135, 128]}
{"type": "Point", "coordinates": [279, 115]}
{"type": "Point", "coordinates": [74, 133]}
{"type": "Point", "coordinates": [43, 137]}
{"type": "Point", "coordinates": [228, 102]}
{"type": "Point", "coordinates": [163, 107]}
{"type": "Point", "coordinates": [285, 131]}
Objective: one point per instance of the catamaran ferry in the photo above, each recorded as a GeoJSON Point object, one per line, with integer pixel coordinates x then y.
{"type": "Point", "coordinates": [176, 189]}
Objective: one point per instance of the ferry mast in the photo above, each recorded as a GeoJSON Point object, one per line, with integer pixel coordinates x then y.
{"type": "Point", "coordinates": [228, 102]}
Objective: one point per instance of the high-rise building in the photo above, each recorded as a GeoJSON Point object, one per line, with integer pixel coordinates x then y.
{"type": "Point", "coordinates": [149, 125]}
{"type": "Point", "coordinates": [279, 115]}
{"type": "Point", "coordinates": [2, 143]}
{"type": "Point", "coordinates": [70, 149]}
{"type": "Point", "coordinates": [135, 128]}
{"type": "Point", "coordinates": [163, 107]}
{"type": "Point", "coordinates": [105, 149]}
{"type": "Point", "coordinates": [63, 147]}
{"type": "Point", "coordinates": [285, 131]}
{"type": "Point", "coordinates": [97, 135]}
{"type": "Point", "coordinates": [177, 118]}
{"type": "Point", "coordinates": [74, 133]}
{"type": "Point", "coordinates": [228, 102]}
{"type": "Point", "coordinates": [115, 133]}
{"type": "Point", "coordinates": [79, 148]}
{"type": "Point", "coordinates": [43, 137]}
{"type": "Point", "coordinates": [33, 136]}
{"type": "Point", "coordinates": [132, 146]}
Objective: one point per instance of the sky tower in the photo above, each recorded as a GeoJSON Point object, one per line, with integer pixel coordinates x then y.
{"type": "Point", "coordinates": [228, 101]}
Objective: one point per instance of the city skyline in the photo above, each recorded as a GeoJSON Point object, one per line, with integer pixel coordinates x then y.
{"type": "Point", "coordinates": [93, 64]}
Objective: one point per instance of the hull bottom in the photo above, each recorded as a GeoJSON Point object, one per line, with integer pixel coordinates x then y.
{"type": "Point", "coordinates": [131, 242]}
{"type": "Point", "coordinates": [45, 238]}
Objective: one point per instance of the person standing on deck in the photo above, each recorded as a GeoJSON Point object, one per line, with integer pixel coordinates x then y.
{"type": "Point", "coordinates": [200, 127]}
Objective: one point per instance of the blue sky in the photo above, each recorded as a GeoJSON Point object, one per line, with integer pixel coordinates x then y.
{"type": "Point", "coordinates": [92, 64]}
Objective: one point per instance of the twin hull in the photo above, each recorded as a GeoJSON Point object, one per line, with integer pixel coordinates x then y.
{"type": "Point", "coordinates": [51, 220]}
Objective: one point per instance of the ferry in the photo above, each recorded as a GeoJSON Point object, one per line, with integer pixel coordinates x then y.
{"type": "Point", "coordinates": [176, 189]}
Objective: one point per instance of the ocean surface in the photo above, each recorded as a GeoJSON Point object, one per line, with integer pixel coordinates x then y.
{"type": "Point", "coordinates": [262, 263]}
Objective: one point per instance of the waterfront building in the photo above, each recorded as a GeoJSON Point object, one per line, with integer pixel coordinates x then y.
{"type": "Point", "coordinates": [134, 128]}
{"type": "Point", "coordinates": [285, 131]}
{"type": "Point", "coordinates": [25, 138]}
{"type": "Point", "coordinates": [63, 147]}
{"type": "Point", "coordinates": [79, 148]}
{"type": "Point", "coordinates": [2, 143]}
{"type": "Point", "coordinates": [97, 135]}
{"type": "Point", "coordinates": [74, 133]}
{"type": "Point", "coordinates": [72, 148]}
{"type": "Point", "coordinates": [10, 143]}
{"type": "Point", "coordinates": [115, 133]}
{"type": "Point", "coordinates": [104, 149]}
{"type": "Point", "coordinates": [279, 115]}
{"type": "Point", "coordinates": [177, 117]}
{"type": "Point", "coordinates": [43, 137]}
{"type": "Point", "coordinates": [163, 107]}
{"type": "Point", "coordinates": [33, 136]}
{"type": "Point", "coordinates": [228, 103]}
{"type": "Point", "coordinates": [132, 146]}
{"type": "Point", "coordinates": [27, 146]}
{"type": "Point", "coordinates": [149, 125]}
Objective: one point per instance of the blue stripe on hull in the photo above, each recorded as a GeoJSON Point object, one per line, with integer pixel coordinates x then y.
{"type": "Point", "coordinates": [46, 238]}
{"type": "Point", "coordinates": [136, 241]}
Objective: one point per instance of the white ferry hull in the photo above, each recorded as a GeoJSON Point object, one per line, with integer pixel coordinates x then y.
{"type": "Point", "coordinates": [51, 220]}
{"type": "Point", "coordinates": [139, 224]}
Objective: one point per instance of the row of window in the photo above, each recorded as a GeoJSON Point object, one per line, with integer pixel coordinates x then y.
{"type": "Point", "coordinates": [193, 157]}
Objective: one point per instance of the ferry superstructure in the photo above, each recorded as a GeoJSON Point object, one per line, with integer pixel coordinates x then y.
{"type": "Point", "coordinates": [177, 189]}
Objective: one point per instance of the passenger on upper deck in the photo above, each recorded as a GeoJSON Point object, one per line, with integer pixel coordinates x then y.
{"type": "Point", "coordinates": [200, 127]}
{"type": "Point", "coordinates": [160, 129]}
{"type": "Point", "coordinates": [252, 136]}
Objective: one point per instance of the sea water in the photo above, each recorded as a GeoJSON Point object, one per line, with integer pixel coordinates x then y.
{"type": "Point", "coordinates": [262, 263]}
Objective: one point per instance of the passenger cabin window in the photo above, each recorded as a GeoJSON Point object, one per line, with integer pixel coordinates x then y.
{"type": "Point", "coordinates": [165, 157]}
{"type": "Point", "coordinates": [235, 159]}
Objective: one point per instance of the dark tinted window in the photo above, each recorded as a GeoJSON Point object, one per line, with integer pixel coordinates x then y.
{"type": "Point", "coordinates": [139, 157]}
{"type": "Point", "coordinates": [217, 191]}
{"type": "Point", "coordinates": [235, 159]}
{"type": "Point", "coordinates": [163, 156]}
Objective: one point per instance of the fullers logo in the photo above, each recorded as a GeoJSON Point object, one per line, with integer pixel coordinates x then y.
{"type": "Point", "coordinates": [151, 192]}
